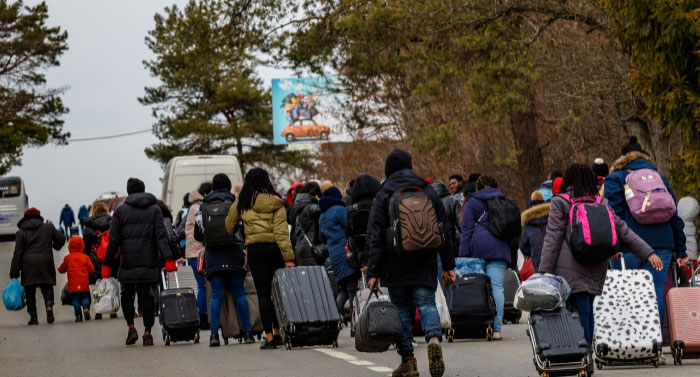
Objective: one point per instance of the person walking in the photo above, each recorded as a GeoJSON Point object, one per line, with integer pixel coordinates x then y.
{"type": "Point", "coordinates": [194, 249]}
{"type": "Point", "coordinates": [137, 234]}
{"type": "Point", "coordinates": [586, 280]}
{"type": "Point", "coordinates": [67, 219]}
{"type": "Point", "coordinates": [664, 237]}
{"type": "Point", "coordinates": [33, 261]}
{"type": "Point", "coordinates": [96, 231]}
{"type": "Point", "coordinates": [534, 222]}
{"type": "Point", "coordinates": [332, 224]}
{"type": "Point", "coordinates": [364, 191]}
{"type": "Point", "coordinates": [453, 208]}
{"type": "Point", "coordinates": [305, 215]}
{"type": "Point", "coordinates": [224, 258]}
{"type": "Point", "coordinates": [688, 209]}
{"type": "Point", "coordinates": [83, 213]}
{"type": "Point", "coordinates": [546, 187]}
{"type": "Point", "coordinates": [261, 211]}
{"type": "Point", "coordinates": [477, 241]}
{"type": "Point", "coordinates": [410, 279]}
{"type": "Point", "coordinates": [79, 268]}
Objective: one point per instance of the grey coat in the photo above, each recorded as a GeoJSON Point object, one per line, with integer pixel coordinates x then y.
{"type": "Point", "coordinates": [557, 258]}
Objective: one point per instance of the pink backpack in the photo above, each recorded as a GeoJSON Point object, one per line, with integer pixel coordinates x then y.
{"type": "Point", "coordinates": [592, 232]}
{"type": "Point", "coordinates": [647, 197]}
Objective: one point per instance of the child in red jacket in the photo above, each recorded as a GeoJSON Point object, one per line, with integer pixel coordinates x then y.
{"type": "Point", "coordinates": [79, 268]}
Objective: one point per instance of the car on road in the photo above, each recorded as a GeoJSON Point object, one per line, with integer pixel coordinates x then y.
{"type": "Point", "coordinates": [305, 129]}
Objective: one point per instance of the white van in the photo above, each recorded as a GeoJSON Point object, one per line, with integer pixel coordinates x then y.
{"type": "Point", "coordinates": [184, 174]}
{"type": "Point", "coordinates": [13, 203]}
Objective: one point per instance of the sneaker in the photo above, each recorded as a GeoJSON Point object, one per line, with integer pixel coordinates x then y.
{"type": "Point", "coordinates": [147, 340]}
{"type": "Point", "coordinates": [248, 338]}
{"type": "Point", "coordinates": [49, 315]}
{"type": "Point", "coordinates": [132, 337]}
{"type": "Point", "coordinates": [268, 345]}
{"type": "Point", "coordinates": [497, 336]}
{"type": "Point", "coordinates": [435, 363]}
{"type": "Point", "coordinates": [86, 314]}
{"type": "Point", "coordinates": [407, 368]}
{"type": "Point", "coordinates": [277, 339]}
{"type": "Point", "coordinates": [214, 340]}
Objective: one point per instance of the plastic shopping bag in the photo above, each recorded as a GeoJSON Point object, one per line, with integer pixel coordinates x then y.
{"type": "Point", "coordinates": [443, 310]}
{"type": "Point", "coordinates": [466, 266]}
{"type": "Point", "coordinates": [107, 296]}
{"type": "Point", "coordinates": [542, 293]}
{"type": "Point", "coordinates": [13, 296]}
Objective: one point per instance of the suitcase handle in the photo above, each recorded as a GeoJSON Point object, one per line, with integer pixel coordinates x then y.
{"type": "Point", "coordinates": [165, 282]}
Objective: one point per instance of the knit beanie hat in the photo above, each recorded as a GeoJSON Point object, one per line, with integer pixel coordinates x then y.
{"type": "Point", "coordinates": [326, 185]}
{"type": "Point", "coordinates": [397, 160]}
{"type": "Point", "coordinates": [76, 244]}
{"type": "Point", "coordinates": [632, 145]}
{"type": "Point", "coordinates": [32, 212]}
{"type": "Point", "coordinates": [536, 198]}
{"type": "Point", "coordinates": [333, 192]}
{"type": "Point", "coordinates": [556, 185]}
{"type": "Point", "coordinates": [600, 168]}
{"type": "Point", "coordinates": [135, 186]}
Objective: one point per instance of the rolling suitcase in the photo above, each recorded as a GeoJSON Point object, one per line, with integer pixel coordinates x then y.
{"type": "Point", "coordinates": [305, 307]}
{"type": "Point", "coordinates": [682, 309]}
{"type": "Point", "coordinates": [511, 283]}
{"type": "Point", "coordinates": [229, 321]}
{"type": "Point", "coordinates": [179, 316]}
{"type": "Point", "coordinates": [559, 345]}
{"type": "Point", "coordinates": [675, 278]}
{"type": "Point", "coordinates": [471, 306]}
{"type": "Point", "coordinates": [627, 325]}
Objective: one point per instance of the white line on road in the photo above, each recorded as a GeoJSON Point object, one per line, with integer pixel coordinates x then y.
{"type": "Point", "coordinates": [353, 360]}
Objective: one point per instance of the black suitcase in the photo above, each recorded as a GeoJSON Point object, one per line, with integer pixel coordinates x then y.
{"type": "Point", "coordinates": [511, 283]}
{"type": "Point", "coordinates": [179, 316]}
{"type": "Point", "coordinates": [331, 277]}
{"type": "Point", "coordinates": [305, 307]}
{"type": "Point", "coordinates": [558, 342]}
{"type": "Point", "coordinates": [472, 307]}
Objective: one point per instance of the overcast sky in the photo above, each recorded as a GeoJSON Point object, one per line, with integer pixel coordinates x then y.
{"type": "Point", "coordinates": [104, 72]}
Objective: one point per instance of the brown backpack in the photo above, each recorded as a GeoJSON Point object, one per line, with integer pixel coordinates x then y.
{"type": "Point", "coordinates": [414, 226]}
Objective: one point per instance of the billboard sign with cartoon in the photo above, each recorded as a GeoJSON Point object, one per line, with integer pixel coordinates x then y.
{"type": "Point", "coordinates": [302, 110]}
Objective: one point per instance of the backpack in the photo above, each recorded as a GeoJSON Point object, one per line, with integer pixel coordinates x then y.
{"type": "Point", "coordinates": [504, 219]}
{"type": "Point", "coordinates": [414, 226]}
{"type": "Point", "coordinates": [101, 249]}
{"type": "Point", "coordinates": [357, 225]}
{"type": "Point", "coordinates": [214, 223]}
{"type": "Point", "coordinates": [593, 236]}
{"type": "Point", "coordinates": [647, 197]}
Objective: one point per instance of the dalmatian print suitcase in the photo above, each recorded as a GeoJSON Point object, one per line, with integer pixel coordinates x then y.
{"type": "Point", "coordinates": [627, 325]}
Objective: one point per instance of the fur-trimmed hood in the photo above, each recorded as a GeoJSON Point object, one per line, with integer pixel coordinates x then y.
{"type": "Point", "coordinates": [539, 211]}
{"type": "Point", "coordinates": [627, 159]}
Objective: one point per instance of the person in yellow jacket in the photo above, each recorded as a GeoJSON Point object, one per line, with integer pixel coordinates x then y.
{"type": "Point", "coordinates": [260, 210]}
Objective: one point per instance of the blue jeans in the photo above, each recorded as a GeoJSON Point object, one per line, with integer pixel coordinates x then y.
{"type": "Point", "coordinates": [634, 263]}
{"type": "Point", "coordinates": [201, 286]}
{"type": "Point", "coordinates": [583, 303]}
{"type": "Point", "coordinates": [237, 287]}
{"type": "Point", "coordinates": [81, 298]}
{"type": "Point", "coordinates": [496, 270]}
{"type": "Point", "coordinates": [424, 300]}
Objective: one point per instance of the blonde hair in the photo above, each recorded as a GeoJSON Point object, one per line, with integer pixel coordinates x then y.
{"type": "Point", "coordinates": [99, 208]}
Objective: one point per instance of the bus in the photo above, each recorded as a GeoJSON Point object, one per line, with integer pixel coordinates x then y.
{"type": "Point", "coordinates": [185, 173]}
{"type": "Point", "coordinates": [13, 203]}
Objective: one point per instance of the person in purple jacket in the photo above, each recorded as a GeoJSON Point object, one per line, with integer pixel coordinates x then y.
{"type": "Point", "coordinates": [477, 242]}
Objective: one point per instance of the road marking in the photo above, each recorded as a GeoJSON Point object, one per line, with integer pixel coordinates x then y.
{"type": "Point", "coordinates": [353, 360]}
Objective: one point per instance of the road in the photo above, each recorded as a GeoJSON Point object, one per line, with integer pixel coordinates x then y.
{"type": "Point", "coordinates": [97, 348]}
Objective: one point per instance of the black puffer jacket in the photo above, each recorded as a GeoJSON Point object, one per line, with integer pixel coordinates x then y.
{"type": "Point", "coordinates": [402, 270]}
{"type": "Point", "coordinates": [137, 233]}
{"type": "Point", "coordinates": [305, 216]}
{"type": "Point", "coordinates": [364, 191]}
{"type": "Point", "coordinates": [221, 260]}
{"type": "Point", "coordinates": [33, 257]}
{"type": "Point", "coordinates": [92, 239]}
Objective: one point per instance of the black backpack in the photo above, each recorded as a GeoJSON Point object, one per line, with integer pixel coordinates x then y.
{"type": "Point", "coordinates": [357, 225]}
{"type": "Point", "coordinates": [504, 218]}
{"type": "Point", "coordinates": [214, 221]}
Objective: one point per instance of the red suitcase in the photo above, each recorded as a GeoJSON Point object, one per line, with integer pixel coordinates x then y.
{"type": "Point", "coordinates": [683, 311]}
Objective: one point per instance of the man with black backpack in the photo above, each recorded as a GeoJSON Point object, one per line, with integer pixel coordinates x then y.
{"type": "Point", "coordinates": [224, 258]}
{"type": "Point", "coordinates": [407, 231]}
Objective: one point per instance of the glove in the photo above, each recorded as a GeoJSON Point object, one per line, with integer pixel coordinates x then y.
{"type": "Point", "coordinates": [170, 266]}
{"type": "Point", "coordinates": [106, 272]}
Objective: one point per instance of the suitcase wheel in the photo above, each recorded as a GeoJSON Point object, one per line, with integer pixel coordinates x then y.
{"type": "Point", "coordinates": [599, 365]}
{"type": "Point", "coordinates": [678, 356]}
{"type": "Point", "coordinates": [226, 341]}
{"type": "Point", "coordinates": [489, 334]}
{"type": "Point", "coordinates": [516, 321]}
{"type": "Point", "coordinates": [450, 335]}
{"type": "Point", "coordinates": [335, 343]}
{"type": "Point", "coordinates": [352, 332]}
{"type": "Point", "coordinates": [196, 338]}
{"type": "Point", "coordinates": [288, 344]}
{"type": "Point", "coordinates": [166, 339]}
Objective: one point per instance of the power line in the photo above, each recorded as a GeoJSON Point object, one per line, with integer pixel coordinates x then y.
{"type": "Point", "coordinates": [109, 136]}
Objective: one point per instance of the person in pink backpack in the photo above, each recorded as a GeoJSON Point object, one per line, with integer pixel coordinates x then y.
{"type": "Point", "coordinates": [643, 198]}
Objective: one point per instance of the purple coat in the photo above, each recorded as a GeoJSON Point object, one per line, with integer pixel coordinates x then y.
{"type": "Point", "coordinates": [557, 258]}
{"type": "Point", "coordinates": [476, 241]}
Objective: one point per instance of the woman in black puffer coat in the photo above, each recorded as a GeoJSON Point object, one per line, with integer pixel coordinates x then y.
{"type": "Point", "coordinates": [305, 215]}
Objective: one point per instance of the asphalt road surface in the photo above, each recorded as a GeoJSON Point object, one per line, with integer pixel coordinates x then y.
{"type": "Point", "coordinates": [96, 348]}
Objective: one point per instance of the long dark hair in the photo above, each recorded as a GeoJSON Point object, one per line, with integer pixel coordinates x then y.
{"type": "Point", "coordinates": [581, 179]}
{"type": "Point", "coordinates": [256, 181]}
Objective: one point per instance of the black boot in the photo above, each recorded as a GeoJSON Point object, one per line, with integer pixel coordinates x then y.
{"type": "Point", "coordinates": [33, 319]}
{"type": "Point", "coordinates": [49, 312]}
{"type": "Point", "coordinates": [248, 338]}
{"type": "Point", "coordinates": [214, 340]}
{"type": "Point", "coordinates": [277, 339]}
{"type": "Point", "coordinates": [113, 316]}
{"type": "Point", "coordinates": [86, 313]}
{"type": "Point", "coordinates": [204, 322]}
{"type": "Point", "coordinates": [78, 315]}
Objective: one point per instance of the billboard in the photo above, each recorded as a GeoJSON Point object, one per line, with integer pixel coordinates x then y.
{"type": "Point", "coordinates": [303, 111]}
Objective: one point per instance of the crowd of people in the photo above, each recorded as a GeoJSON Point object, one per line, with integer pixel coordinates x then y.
{"type": "Point", "coordinates": [316, 224]}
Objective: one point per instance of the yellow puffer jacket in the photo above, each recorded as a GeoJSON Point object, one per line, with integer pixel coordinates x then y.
{"type": "Point", "coordinates": [266, 222]}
